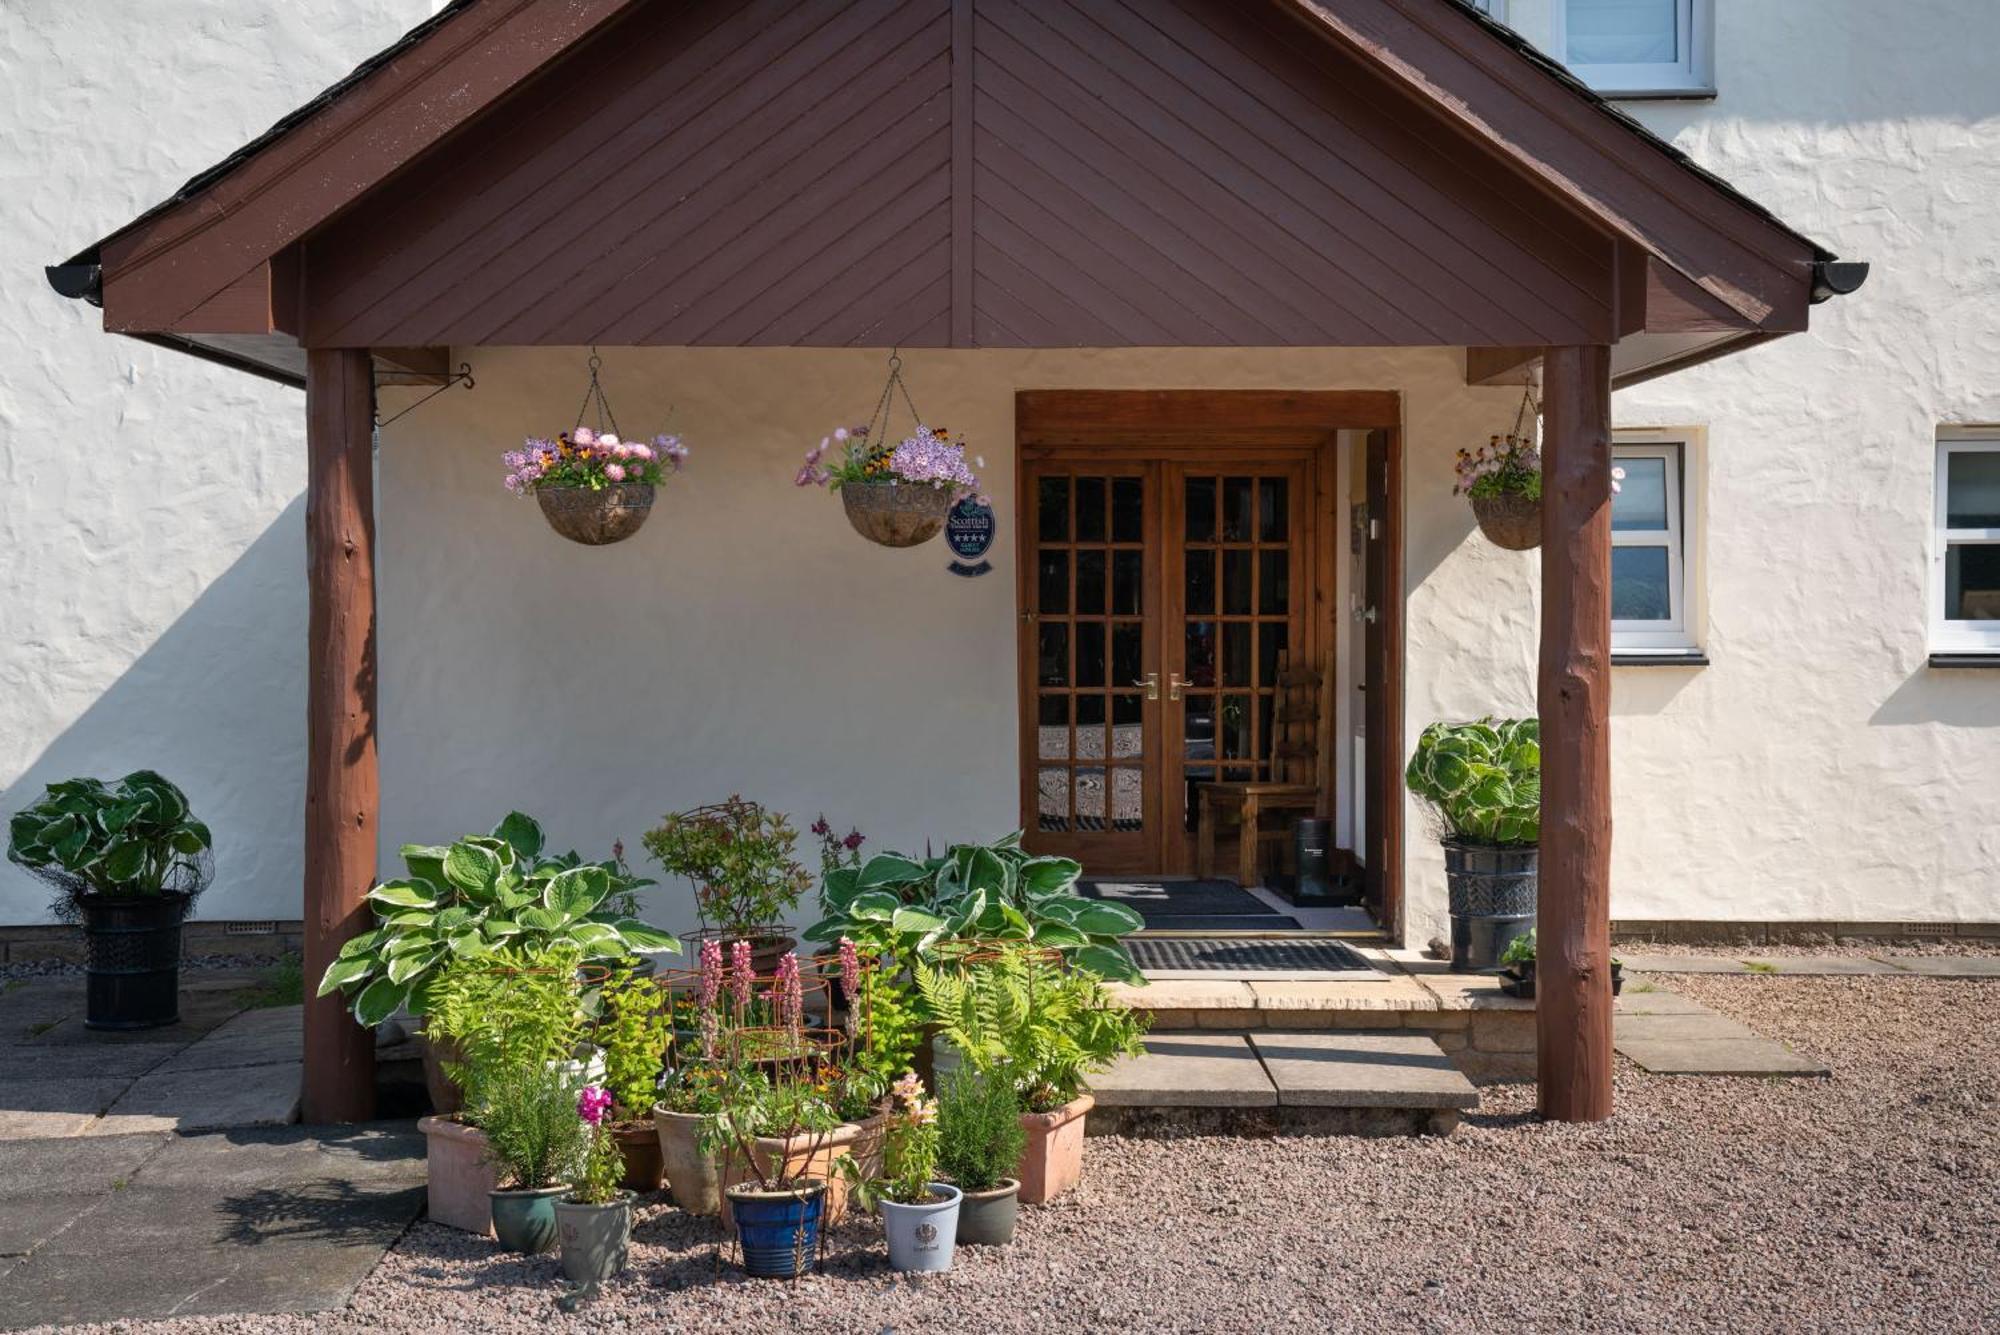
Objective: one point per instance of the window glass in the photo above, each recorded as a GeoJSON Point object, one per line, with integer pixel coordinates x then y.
{"type": "Point", "coordinates": [1972, 582]}
{"type": "Point", "coordinates": [1972, 489]}
{"type": "Point", "coordinates": [1639, 584]}
{"type": "Point", "coordinates": [1624, 32]}
{"type": "Point", "coordinates": [1640, 504]}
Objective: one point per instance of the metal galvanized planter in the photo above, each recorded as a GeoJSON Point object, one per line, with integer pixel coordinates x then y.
{"type": "Point", "coordinates": [596, 517]}
{"type": "Point", "coordinates": [1509, 520]}
{"type": "Point", "coordinates": [1492, 900]}
{"type": "Point", "coordinates": [132, 967]}
{"type": "Point", "coordinates": [896, 514]}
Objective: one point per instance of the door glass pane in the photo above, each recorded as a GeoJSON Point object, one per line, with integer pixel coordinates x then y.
{"type": "Point", "coordinates": [1640, 503]}
{"type": "Point", "coordinates": [1053, 721]}
{"type": "Point", "coordinates": [1272, 639]}
{"type": "Point", "coordinates": [1267, 737]}
{"type": "Point", "coordinates": [1639, 584]}
{"type": "Point", "coordinates": [1090, 654]}
{"type": "Point", "coordinates": [1053, 509]}
{"type": "Point", "coordinates": [1052, 582]}
{"type": "Point", "coordinates": [1235, 727]}
{"type": "Point", "coordinates": [1052, 798]}
{"type": "Point", "coordinates": [1052, 654]}
{"type": "Point", "coordinates": [1972, 489]}
{"type": "Point", "coordinates": [1236, 509]}
{"type": "Point", "coordinates": [1274, 586]}
{"type": "Point", "coordinates": [1972, 581]}
{"type": "Point", "coordinates": [1127, 575]}
{"type": "Point", "coordinates": [1624, 32]}
{"type": "Point", "coordinates": [1128, 734]}
{"type": "Point", "coordinates": [1201, 509]}
{"type": "Point", "coordinates": [1128, 799]}
{"type": "Point", "coordinates": [1128, 510]}
{"type": "Point", "coordinates": [1198, 726]}
{"type": "Point", "coordinates": [1198, 664]}
{"type": "Point", "coordinates": [1195, 779]}
{"type": "Point", "coordinates": [1235, 582]}
{"type": "Point", "coordinates": [1126, 659]}
{"type": "Point", "coordinates": [1090, 799]}
{"type": "Point", "coordinates": [1090, 509]}
{"type": "Point", "coordinates": [1236, 653]}
{"type": "Point", "coordinates": [1090, 727]}
{"type": "Point", "coordinates": [1200, 583]}
{"type": "Point", "coordinates": [1273, 509]}
{"type": "Point", "coordinates": [1090, 583]}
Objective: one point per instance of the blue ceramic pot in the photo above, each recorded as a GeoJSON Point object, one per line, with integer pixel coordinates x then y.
{"type": "Point", "coordinates": [779, 1230]}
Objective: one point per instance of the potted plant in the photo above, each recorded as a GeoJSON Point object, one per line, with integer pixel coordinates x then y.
{"type": "Point", "coordinates": [919, 1213]}
{"type": "Point", "coordinates": [772, 1137]}
{"type": "Point", "coordinates": [467, 900]}
{"type": "Point", "coordinates": [738, 855]}
{"type": "Point", "coordinates": [1483, 784]}
{"type": "Point", "coordinates": [1503, 480]}
{"type": "Point", "coordinates": [594, 1221]}
{"type": "Point", "coordinates": [529, 1114]}
{"type": "Point", "coordinates": [634, 1031]}
{"type": "Point", "coordinates": [1014, 1009]}
{"type": "Point", "coordinates": [593, 487]}
{"type": "Point", "coordinates": [1517, 971]}
{"type": "Point", "coordinates": [128, 859]}
{"type": "Point", "coordinates": [980, 1142]}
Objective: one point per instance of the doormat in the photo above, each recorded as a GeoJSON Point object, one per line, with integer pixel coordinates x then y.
{"type": "Point", "coordinates": [1171, 922]}
{"type": "Point", "coordinates": [1175, 954]}
{"type": "Point", "coordinates": [1179, 899]}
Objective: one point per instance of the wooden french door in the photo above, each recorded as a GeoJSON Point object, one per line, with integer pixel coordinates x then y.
{"type": "Point", "coordinates": [1159, 595]}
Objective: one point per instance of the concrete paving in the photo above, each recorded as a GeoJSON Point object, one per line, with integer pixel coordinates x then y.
{"type": "Point", "coordinates": [1946, 966]}
{"type": "Point", "coordinates": [1691, 1039]}
{"type": "Point", "coordinates": [1679, 963]}
{"type": "Point", "coordinates": [1813, 966]}
{"type": "Point", "coordinates": [1360, 1070]}
{"type": "Point", "coordinates": [1187, 1071]}
{"type": "Point", "coordinates": [113, 1228]}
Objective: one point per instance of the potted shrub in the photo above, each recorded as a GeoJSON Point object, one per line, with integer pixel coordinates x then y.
{"type": "Point", "coordinates": [529, 1115]}
{"type": "Point", "coordinates": [739, 858]}
{"type": "Point", "coordinates": [1517, 971]}
{"type": "Point", "coordinates": [775, 1202]}
{"type": "Point", "coordinates": [633, 1032]}
{"type": "Point", "coordinates": [594, 1221]}
{"type": "Point", "coordinates": [465, 901]}
{"type": "Point", "coordinates": [1483, 784]}
{"type": "Point", "coordinates": [980, 1141]}
{"type": "Point", "coordinates": [593, 487]}
{"type": "Point", "coordinates": [919, 1213]}
{"type": "Point", "coordinates": [128, 859]}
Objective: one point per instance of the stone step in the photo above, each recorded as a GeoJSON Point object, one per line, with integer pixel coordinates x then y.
{"type": "Point", "coordinates": [1268, 1080]}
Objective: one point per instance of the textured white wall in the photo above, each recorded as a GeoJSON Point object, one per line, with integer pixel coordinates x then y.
{"type": "Point", "coordinates": [151, 513]}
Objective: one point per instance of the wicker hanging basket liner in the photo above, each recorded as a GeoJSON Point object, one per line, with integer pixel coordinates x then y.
{"type": "Point", "coordinates": [1510, 520]}
{"type": "Point", "coordinates": [595, 518]}
{"type": "Point", "coordinates": [896, 514]}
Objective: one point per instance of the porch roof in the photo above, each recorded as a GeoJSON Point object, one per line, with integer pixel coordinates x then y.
{"type": "Point", "coordinates": [1384, 172]}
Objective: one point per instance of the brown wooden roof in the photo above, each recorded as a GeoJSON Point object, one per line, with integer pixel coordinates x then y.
{"type": "Point", "coordinates": [954, 173]}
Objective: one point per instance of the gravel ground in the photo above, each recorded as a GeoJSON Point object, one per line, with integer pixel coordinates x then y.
{"type": "Point", "coordinates": [189, 964]}
{"type": "Point", "coordinates": [1954, 946]}
{"type": "Point", "coordinates": [1867, 1202]}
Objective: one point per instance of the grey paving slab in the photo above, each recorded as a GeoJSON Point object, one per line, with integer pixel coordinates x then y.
{"type": "Point", "coordinates": [27, 1223]}
{"type": "Point", "coordinates": [1691, 1026]}
{"type": "Point", "coordinates": [1641, 998]}
{"type": "Point", "coordinates": [1187, 1071]}
{"type": "Point", "coordinates": [30, 1006]}
{"type": "Point", "coordinates": [1809, 966]}
{"type": "Point", "coordinates": [1680, 964]}
{"type": "Point", "coordinates": [41, 1109]}
{"type": "Point", "coordinates": [205, 1100]}
{"type": "Point", "coordinates": [385, 1152]}
{"type": "Point", "coordinates": [1355, 1070]}
{"type": "Point", "coordinates": [37, 1061]}
{"type": "Point", "coordinates": [31, 1168]}
{"type": "Point", "coordinates": [1946, 966]}
{"type": "Point", "coordinates": [253, 1038]}
{"type": "Point", "coordinates": [200, 1012]}
{"type": "Point", "coordinates": [1751, 1057]}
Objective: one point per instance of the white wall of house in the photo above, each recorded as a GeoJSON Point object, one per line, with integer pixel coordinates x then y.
{"type": "Point", "coordinates": [151, 506]}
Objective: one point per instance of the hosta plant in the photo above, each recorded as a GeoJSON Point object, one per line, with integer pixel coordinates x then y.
{"type": "Point", "coordinates": [466, 900]}
{"type": "Point", "coordinates": [135, 837]}
{"type": "Point", "coordinates": [906, 908]}
{"type": "Point", "coordinates": [1483, 780]}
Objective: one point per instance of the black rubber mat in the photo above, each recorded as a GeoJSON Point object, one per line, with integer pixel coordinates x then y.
{"type": "Point", "coordinates": [1273, 954]}
{"type": "Point", "coordinates": [1170, 922]}
{"type": "Point", "coordinates": [1178, 899]}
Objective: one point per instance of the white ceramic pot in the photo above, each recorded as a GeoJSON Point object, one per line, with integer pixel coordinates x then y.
{"type": "Point", "coordinates": [922, 1237]}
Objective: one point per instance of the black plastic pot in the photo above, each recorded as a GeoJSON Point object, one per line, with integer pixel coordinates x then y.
{"type": "Point", "coordinates": [1492, 900]}
{"type": "Point", "coordinates": [132, 961]}
{"type": "Point", "coordinates": [1518, 980]}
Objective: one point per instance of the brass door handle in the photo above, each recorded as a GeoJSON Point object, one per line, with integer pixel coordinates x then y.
{"type": "Point", "coordinates": [1174, 684]}
{"type": "Point", "coordinates": [1151, 682]}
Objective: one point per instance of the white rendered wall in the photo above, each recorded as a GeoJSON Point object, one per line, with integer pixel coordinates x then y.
{"type": "Point", "coordinates": [152, 559]}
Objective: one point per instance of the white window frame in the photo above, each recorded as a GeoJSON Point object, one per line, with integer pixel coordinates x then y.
{"type": "Point", "coordinates": [1675, 634]}
{"type": "Point", "coordinates": [1950, 635]}
{"type": "Point", "coordinates": [1692, 76]}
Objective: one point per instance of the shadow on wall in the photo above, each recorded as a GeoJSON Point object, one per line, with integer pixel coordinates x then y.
{"type": "Point", "coordinates": [217, 704]}
{"type": "Point", "coordinates": [1956, 698]}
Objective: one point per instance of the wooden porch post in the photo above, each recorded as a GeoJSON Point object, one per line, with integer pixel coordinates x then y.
{"type": "Point", "coordinates": [341, 793]}
{"type": "Point", "coordinates": [1573, 965]}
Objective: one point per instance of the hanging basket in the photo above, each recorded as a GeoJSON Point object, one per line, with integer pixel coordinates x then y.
{"type": "Point", "coordinates": [896, 514]}
{"type": "Point", "coordinates": [1510, 520]}
{"type": "Point", "coordinates": [596, 517]}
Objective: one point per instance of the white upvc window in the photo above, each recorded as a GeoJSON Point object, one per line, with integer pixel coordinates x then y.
{"type": "Point", "coordinates": [1965, 553]}
{"type": "Point", "coordinates": [1651, 594]}
{"type": "Point", "coordinates": [1638, 47]}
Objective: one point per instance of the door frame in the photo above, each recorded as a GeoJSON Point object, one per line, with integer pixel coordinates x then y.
{"type": "Point", "coordinates": [1209, 427]}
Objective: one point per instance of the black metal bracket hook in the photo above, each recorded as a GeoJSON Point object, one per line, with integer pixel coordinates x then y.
{"type": "Point", "coordinates": [462, 376]}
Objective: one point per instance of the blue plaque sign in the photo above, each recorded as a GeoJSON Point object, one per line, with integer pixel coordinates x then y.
{"type": "Point", "coordinates": [968, 531]}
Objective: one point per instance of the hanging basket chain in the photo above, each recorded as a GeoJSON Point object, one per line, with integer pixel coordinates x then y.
{"type": "Point", "coordinates": [878, 421]}
{"type": "Point", "coordinates": [594, 391]}
{"type": "Point", "coordinates": [1528, 411]}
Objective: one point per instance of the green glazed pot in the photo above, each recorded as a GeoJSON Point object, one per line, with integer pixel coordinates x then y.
{"type": "Point", "coordinates": [525, 1221]}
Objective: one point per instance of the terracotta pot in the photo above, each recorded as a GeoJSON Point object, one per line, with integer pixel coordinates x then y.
{"type": "Point", "coordinates": [461, 1175]}
{"type": "Point", "coordinates": [595, 518]}
{"type": "Point", "coordinates": [447, 1099]}
{"type": "Point", "coordinates": [692, 1175]}
{"type": "Point", "coordinates": [896, 514]}
{"type": "Point", "coordinates": [1052, 1163]}
{"type": "Point", "coordinates": [1509, 520]}
{"type": "Point", "coordinates": [801, 1160]}
{"type": "Point", "coordinates": [645, 1167]}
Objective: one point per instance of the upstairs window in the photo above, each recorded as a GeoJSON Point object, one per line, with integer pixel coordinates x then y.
{"type": "Point", "coordinates": [1965, 597]}
{"type": "Point", "coordinates": [1637, 47]}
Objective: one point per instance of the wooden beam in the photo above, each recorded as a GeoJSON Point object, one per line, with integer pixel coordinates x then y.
{"type": "Point", "coordinates": [411, 366]}
{"type": "Point", "coordinates": [1500, 366]}
{"type": "Point", "coordinates": [1573, 920]}
{"type": "Point", "coordinates": [341, 785]}
{"type": "Point", "coordinates": [961, 173]}
{"type": "Point", "coordinates": [1216, 416]}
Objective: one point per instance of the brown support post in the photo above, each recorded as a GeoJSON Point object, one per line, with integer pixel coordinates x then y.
{"type": "Point", "coordinates": [341, 792]}
{"type": "Point", "coordinates": [1573, 956]}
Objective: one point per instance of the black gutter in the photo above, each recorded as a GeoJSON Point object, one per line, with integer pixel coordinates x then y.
{"type": "Point", "coordinates": [231, 360]}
